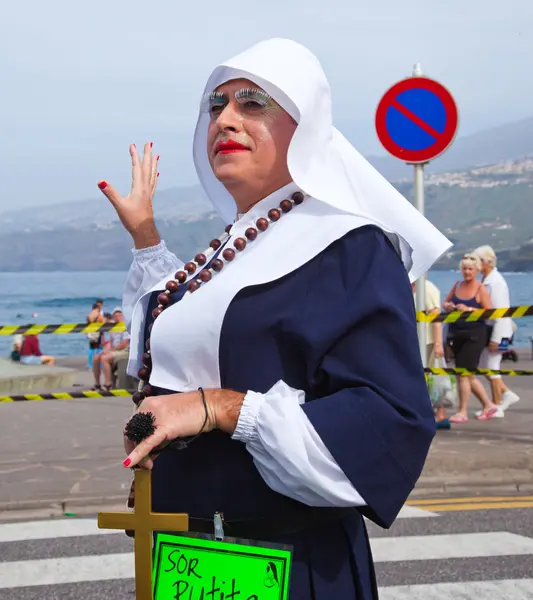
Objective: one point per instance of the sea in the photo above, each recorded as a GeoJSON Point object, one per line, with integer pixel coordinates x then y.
{"type": "Point", "coordinates": [59, 297]}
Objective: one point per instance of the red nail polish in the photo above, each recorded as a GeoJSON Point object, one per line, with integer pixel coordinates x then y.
{"type": "Point", "coordinates": [102, 185]}
{"type": "Point", "coordinates": [127, 462]}
{"type": "Point", "coordinates": [157, 157]}
{"type": "Point", "coordinates": [158, 174]}
{"type": "Point", "coordinates": [151, 144]}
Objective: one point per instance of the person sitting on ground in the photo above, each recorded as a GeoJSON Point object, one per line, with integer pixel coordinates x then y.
{"type": "Point", "coordinates": [30, 352]}
{"type": "Point", "coordinates": [16, 347]}
{"type": "Point", "coordinates": [113, 352]}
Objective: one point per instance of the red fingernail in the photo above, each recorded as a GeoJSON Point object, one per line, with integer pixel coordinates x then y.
{"type": "Point", "coordinates": [157, 157]}
{"type": "Point", "coordinates": [102, 185]}
{"type": "Point", "coordinates": [158, 174]}
{"type": "Point", "coordinates": [127, 462]}
{"type": "Point", "coordinates": [151, 144]}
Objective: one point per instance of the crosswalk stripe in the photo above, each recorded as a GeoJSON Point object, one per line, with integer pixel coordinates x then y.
{"type": "Point", "coordinates": [60, 528]}
{"type": "Point", "coordinates": [517, 589]}
{"type": "Point", "coordinates": [460, 545]}
{"type": "Point", "coordinates": [56, 571]}
{"type": "Point", "coordinates": [385, 550]}
{"type": "Point", "coordinates": [41, 530]}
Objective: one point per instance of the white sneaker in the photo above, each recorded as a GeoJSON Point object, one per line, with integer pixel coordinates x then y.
{"type": "Point", "coordinates": [508, 399]}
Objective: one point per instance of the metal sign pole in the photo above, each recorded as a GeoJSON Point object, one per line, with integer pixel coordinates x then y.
{"type": "Point", "coordinates": [420, 292]}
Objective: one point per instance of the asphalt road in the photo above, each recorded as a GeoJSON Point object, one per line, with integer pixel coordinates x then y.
{"type": "Point", "coordinates": [469, 554]}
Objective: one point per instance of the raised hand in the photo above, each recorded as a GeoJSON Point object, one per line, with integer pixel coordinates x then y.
{"type": "Point", "coordinates": [135, 210]}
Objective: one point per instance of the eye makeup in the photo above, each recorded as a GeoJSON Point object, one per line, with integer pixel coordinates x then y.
{"type": "Point", "coordinates": [254, 96]}
{"type": "Point", "coordinates": [252, 101]}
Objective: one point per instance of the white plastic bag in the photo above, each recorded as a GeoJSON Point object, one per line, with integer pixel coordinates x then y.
{"type": "Point", "coordinates": [442, 388]}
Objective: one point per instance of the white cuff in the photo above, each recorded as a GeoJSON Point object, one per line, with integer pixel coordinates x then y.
{"type": "Point", "coordinates": [144, 254]}
{"type": "Point", "coordinates": [247, 423]}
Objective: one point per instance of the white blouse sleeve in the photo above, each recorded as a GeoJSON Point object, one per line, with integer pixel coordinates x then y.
{"type": "Point", "coordinates": [149, 267]}
{"type": "Point", "coordinates": [288, 452]}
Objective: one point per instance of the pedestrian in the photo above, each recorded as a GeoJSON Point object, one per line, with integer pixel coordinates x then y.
{"type": "Point", "coordinates": [499, 331]}
{"type": "Point", "coordinates": [467, 339]}
{"type": "Point", "coordinates": [297, 324]}
{"type": "Point", "coordinates": [434, 352]}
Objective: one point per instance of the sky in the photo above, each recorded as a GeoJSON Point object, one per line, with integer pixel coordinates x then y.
{"type": "Point", "coordinates": [81, 81]}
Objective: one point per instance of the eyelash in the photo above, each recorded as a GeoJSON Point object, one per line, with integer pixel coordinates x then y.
{"type": "Point", "coordinates": [259, 98]}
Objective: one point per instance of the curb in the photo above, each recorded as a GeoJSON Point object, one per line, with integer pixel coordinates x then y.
{"type": "Point", "coordinates": [90, 507]}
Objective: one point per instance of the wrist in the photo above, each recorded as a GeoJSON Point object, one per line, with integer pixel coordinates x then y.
{"type": "Point", "coordinates": [224, 407]}
{"type": "Point", "coordinates": [145, 235]}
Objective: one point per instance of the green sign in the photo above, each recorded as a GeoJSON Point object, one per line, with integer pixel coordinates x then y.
{"type": "Point", "coordinates": [191, 568]}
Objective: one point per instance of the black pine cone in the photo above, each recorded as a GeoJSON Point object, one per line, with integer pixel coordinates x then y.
{"type": "Point", "coordinates": [140, 426]}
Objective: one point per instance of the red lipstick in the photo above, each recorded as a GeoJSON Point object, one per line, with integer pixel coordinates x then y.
{"type": "Point", "coordinates": [229, 146]}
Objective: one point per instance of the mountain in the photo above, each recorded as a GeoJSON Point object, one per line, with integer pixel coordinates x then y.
{"type": "Point", "coordinates": [481, 198]}
{"type": "Point", "coordinates": [499, 144]}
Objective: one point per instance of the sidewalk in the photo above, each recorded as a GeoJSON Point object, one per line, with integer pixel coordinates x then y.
{"type": "Point", "coordinates": [483, 456]}
{"type": "Point", "coordinates": [65, 456]}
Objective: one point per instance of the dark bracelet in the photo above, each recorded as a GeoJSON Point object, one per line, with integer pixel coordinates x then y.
{"type": "Point", "coordinates": [142, 425]}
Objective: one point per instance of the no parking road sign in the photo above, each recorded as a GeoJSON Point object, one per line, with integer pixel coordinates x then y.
{"type": "Point", "coordinates": [416, 120]}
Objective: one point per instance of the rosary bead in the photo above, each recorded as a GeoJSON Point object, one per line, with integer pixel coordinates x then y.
{"type": "Point", "coordinates": [240, 244]}
{"type": "Point", "coordinates": [147, 359]}
{"type": "Point", "coordinates": [285, 205]}
{"type": "Point", "coordinates": [228, 254]}
{"type": "Point", "coordinates": [251, 233]}
{"type": "Point", "coordinates": [215, 244]}
{"type": "Point", "coordinates": [228, 228]}
{"type": "Point", "coordinates": [217, 265]}
{"type": "Point", "coordinates": [172, 286]}
{"type": "Point", "coordinates": [190, 267]}
{"type": "Point", "coordinates": [143, 373]}
{"type": "Point", "coordinates": [137, 398]}
{"type": "Point", "coordinates": [147, 345]}
{"type": "Point", "coordinates": [262, 224]}
{"type": "Point", "coordinates": [201, 259]}
{"type": "Point", "coordinates": [181, 276]}
{"type": "Point", "coordinates": [148, 390]}
{"type": "Point", "coordinates": [163, 299]}
{"type": "Point", "coordinates": [205, 275]}
{"type": "Point", "coordinates": [274, 214]}
{"type": "Point", "coordinates": [157, 311]}
{"type": "Point", "coordinates": [297, 197]}
{"type": "Point", "coordinates": [193, 285]}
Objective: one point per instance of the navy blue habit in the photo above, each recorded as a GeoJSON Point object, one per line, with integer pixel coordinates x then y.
{"type": "Point", "coordinates": [342, 328]}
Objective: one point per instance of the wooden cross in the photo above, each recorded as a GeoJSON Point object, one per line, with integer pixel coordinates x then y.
{"type": "Point", "coordinates": [144, 522]}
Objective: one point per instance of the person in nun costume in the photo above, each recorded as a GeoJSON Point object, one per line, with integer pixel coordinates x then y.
{"type": "Point", "coordinates": [298, 324]}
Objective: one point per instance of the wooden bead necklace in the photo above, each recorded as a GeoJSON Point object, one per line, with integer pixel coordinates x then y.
{"type": "Point", "coordinates": [205, 275]}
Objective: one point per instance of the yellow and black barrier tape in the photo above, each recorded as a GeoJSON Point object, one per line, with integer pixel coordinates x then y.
{"type": "Point", "coordinates": [476, 315]}
{"type": "Point", "coordinates": [66, 395]}
{"type": "Point", "coordinates": [61, 328]}
{"type": "Point", "coordinates": [460, 371]}
{"type": "Point", "coordinates": [451, 317]}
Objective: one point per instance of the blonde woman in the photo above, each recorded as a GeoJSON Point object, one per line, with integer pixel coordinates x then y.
{"type": "Point", "coordinates": [468, 339]}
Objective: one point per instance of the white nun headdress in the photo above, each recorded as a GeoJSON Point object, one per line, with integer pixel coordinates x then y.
{"type": "Point", "coordinates": [321, 161]}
